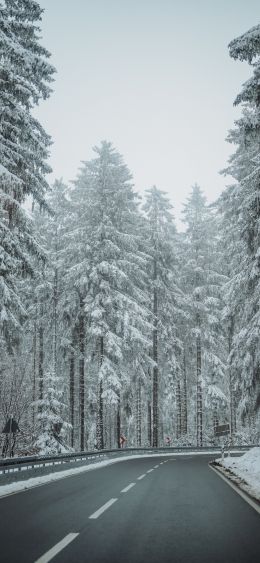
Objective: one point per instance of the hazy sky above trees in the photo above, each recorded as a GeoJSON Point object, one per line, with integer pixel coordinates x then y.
{"type": "Point", "coordinates": [152, 76]}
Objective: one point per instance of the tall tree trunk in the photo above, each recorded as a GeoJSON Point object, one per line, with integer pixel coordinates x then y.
{"type": "Point", "coordinates": [199, 393]}
{"type": "Point", "coordinates": [100, 418]}
{"type": "Point", "coordinates": [184, 398]}
{"type": "Point", "coordinates": [34, 367]}
{"type": "Point", "coordinates": [215, 418]}
{"type": "Point", "coordinates": [108, 427]}
{"type": "Point", "coordinates": [178, 401]}
{"type": "Point", "coordinates": [100, 413]}
{"type": "Point", "coordinates": [252, 424]}
{"type": "Point", "coordinates": [41, 358]}
{"type": "Point", "coordinates": [55, 323]}
{"type": "Point", "coordinates": [139, 414]}
{"type": "Point", "coordinates": [155, 359]}
{"type": "Point", "coordinates": [72, 397]}
{"type": "Point", "coordinates": [231, 389]}
{"type": "Point", "coordinates": [118, 423]}
{"type": "Point", "coordinates": [149, 423]}
{"type": "Point", "coordinates": [82, 374]}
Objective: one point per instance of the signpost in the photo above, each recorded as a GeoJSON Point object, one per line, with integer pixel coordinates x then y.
{"type": "Point", "coordinates": [223, 430]}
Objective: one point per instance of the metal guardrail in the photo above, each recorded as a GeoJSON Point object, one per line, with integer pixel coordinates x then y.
{"type": "Point", "coordinates": [19, 464]}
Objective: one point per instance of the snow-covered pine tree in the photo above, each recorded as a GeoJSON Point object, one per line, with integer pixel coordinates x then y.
{"type": "Point", "coordinates": [112, 267]}
{"type": "Point", "coordinates": [51, 232]}
{"type": "Point", "coordinates": [14, 261]}
{"type": "Point", "coordinates": [50, 416]}
{"type": "Point", "coordinates": [202, 283]}
{"type": "Point", "coordinates": [25, 74]}
{"type": "Point", "coordinates": [76, 263]}
{"type": "Point", "coordinates": [46, 321]}
{"type": "Point", "coordinates": [64, 329]}
{"type": "Point", "coordinates": [240, 207]}
{"type": "Point", "coordinates": [165, 299]}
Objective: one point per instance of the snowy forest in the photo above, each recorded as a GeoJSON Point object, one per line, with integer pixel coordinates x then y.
{"type": "Point", "coordinates": [113, 323]}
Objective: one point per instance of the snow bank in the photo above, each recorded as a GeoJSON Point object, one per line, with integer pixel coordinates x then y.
{"type": "Point", "coordinates": [246, 467]}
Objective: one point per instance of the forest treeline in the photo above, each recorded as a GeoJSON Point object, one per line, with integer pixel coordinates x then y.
{"type": "Point", "coordinates": [113, 323]}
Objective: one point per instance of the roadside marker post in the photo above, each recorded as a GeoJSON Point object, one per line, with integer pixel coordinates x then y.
{"type": "Point", "coordinates": [122, 441]}
{"type": "Point", "coordinates": [223, 430]}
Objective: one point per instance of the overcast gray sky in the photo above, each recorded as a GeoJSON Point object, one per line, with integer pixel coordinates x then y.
{"type": "Point", "coordinates": [152, 76]}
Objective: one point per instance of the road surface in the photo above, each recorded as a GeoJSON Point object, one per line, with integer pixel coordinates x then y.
{"type": "Point", "coordinates": [149, 510]}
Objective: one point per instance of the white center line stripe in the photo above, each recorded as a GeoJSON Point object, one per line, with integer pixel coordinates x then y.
{"type": "Point", "coordinates": [128, 488]}
{"type": "Point", "coordinates": [103, 508]}
{"type": "Point", "coordinates": [155, 467]}
{"type": "Point", "coordinates": [149, 471]}
{"type": "Point", "coordinates": [141, 477]}
{"type": "Point", "coordinates": [57, 548]}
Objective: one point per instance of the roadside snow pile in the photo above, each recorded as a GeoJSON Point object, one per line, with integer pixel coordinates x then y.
{"type": "Point", "coordinates": [246, 467]}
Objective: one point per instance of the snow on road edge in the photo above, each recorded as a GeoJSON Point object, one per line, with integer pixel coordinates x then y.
{"type": "Point", "coordinates": [246, 471]}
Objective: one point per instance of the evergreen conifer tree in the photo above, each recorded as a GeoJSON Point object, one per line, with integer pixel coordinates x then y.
{"type": "Point", "coordinates": [240, 210]}
{"type": "Point", "coordinates": [202, 282]}
{"type": "Point", "coordinates": [25, 74]}
{"type": "Point", "coordinates": [109, 269]}
{"type": "Point", "coordinates": [165, 298]}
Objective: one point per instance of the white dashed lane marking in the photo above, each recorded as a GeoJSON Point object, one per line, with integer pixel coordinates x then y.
{"type": "Point", "coordinates": [128, 488]}
{"type": "Point", "coordinates": [125, 490]}
{"type": "Point", "coordinates": [102, 509]}
{"type": "Point", "coordinates": [48, 556]}
{"type": "Point", "coordinates": [141, 477]}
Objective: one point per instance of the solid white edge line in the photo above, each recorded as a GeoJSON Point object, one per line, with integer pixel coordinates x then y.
{"type": "Point", "coordinates": [102, 509]}
{"type": "Point", "coordinates": [57, 548]}
{"type": "Point", "coordinates": [237, 490]}
{"type": "Point", "coordinates": [128, 488]}
{"type": "Point", "coordinates": [141, 477]}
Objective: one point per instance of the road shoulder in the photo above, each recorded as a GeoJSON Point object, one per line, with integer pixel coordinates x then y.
{"type": "Point", "coordinates": [236, 483]}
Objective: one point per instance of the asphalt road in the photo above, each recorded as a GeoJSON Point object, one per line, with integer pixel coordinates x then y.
{"type": "Point", "coordinates": [180, 512]}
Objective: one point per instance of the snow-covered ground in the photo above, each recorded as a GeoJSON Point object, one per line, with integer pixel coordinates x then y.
{"type": "Point", "coordinates": [247, 468]}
